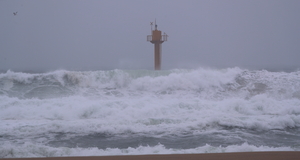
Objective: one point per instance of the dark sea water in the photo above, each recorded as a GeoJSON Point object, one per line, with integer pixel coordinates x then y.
{"type": "Point", "coordinates": [129, 112]}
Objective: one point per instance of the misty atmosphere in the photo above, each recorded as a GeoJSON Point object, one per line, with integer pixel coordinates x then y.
{"type": "Point", "coordinates": [111, 34]}
{"type": "Point", "coordinates": [78, 78]}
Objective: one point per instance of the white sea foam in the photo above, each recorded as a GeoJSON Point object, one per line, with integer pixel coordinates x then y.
{"type": "Point", "coordinates": [144, 114]}
{"type": "Point", "coordinates": [118, 102]}
{"type": "Point", "coordinates": [36, 150]}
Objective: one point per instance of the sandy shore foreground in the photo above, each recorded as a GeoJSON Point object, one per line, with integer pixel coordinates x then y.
{"type": "Point", "coordinates": [206, 156]}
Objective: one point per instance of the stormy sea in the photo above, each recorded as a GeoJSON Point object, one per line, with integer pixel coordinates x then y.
{"type": "Point", "coordinates": [136, 112]}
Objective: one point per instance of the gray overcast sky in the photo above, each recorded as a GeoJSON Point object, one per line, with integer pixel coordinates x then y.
{"type": "Point", "coordinates": [111, 34]}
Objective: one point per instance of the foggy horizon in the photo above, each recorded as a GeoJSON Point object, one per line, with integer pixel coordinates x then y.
{"type": "Point", "coordinates": [39, 36]}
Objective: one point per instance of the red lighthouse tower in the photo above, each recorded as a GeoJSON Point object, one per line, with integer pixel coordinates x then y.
{"type": "Point", "coordinates": [157, 39]}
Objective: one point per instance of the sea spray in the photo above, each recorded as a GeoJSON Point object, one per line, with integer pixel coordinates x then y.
{"type": "Point", "coordinates": [68, 113]}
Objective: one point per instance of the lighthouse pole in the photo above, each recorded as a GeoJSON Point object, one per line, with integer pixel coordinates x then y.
{"type": "Point", "coordinates": [157, 39]}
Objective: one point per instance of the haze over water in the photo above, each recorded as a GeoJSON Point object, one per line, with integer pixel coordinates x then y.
{"type": "Point", "coordinates": [77, 79]}
{"type": "Point", "coordinates": [111, 34]}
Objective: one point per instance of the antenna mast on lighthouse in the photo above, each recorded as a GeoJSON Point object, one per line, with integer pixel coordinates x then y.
{"type": "Point", "coordinates": [157, 39]}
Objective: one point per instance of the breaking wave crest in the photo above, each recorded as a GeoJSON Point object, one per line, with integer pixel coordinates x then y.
{"type": "Point", "coordinates": [72, 113]}
{"type": "Point", "coordinates": [203, 83]}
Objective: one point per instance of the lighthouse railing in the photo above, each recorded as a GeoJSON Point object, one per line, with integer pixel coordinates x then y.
{"type": "Point", "coordinates": [149, 38]}
{"type": "Point", "coordinates": [163, 37]}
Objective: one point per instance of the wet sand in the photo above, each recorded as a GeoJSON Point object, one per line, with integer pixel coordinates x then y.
{"type": "Point", "coordinates": [205, 156]}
